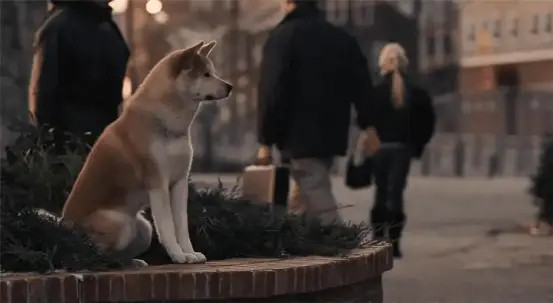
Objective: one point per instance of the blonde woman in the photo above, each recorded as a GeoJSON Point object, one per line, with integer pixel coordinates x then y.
{"type": "Point", "coordinates": [404, 123]}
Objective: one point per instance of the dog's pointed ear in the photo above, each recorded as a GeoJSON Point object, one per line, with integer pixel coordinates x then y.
{"type": "Point", "coordinates": [206, 49]}
{"type": "Point", "coordinates": [183, 59]}
{"type": "Point", "coordinates": [196, 48]}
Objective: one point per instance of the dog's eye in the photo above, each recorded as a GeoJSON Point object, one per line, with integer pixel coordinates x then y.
{"type": "Point", "coordinates": [207, 75]}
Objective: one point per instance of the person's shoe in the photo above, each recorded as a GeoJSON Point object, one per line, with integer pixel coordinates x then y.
{"type": "Point", "coordinates": [396, 229]}
{"type": "Point", "coordinates": [379, 231]}
{"type": "Point", "coordinates": [379, 224]}
{"type": "Point", "coordinates": [396, 250]}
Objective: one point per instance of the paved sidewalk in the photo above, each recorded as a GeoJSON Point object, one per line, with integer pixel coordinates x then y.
{"type": "Point", "coordinates": [450, 254]}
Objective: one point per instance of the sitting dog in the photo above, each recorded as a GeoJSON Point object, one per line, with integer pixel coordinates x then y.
{"type": "Point", "coordinates": [143, 159]}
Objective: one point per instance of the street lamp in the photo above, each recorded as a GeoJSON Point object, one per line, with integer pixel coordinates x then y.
{"type": "Point", "coordinates": [154, 6]}
{"type": "Point", "coordinates": [119, 6]}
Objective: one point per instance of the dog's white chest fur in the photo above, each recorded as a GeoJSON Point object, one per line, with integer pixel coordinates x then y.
{"type": "Point", "coordinates": [173, 157]}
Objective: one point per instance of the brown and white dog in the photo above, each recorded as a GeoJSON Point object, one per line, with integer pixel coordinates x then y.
{"type": "Point", "coordinates": [143, 159]}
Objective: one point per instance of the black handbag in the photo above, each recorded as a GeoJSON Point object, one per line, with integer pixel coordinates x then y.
{"type": "Point", "coordinates": [359, 175]}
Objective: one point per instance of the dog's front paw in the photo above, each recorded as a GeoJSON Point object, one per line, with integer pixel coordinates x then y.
{"type": "Point", "coordinates": [200, 258]}
{"type": "Point", "coordinates": [189, 258]}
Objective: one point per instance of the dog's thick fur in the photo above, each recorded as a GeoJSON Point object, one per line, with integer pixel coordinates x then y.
{"type": "Point", "coordinates": [143, 159]}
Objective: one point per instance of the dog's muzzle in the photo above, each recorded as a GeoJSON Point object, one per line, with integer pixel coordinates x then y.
{"type": "Point", "coordinates": [228, 90]}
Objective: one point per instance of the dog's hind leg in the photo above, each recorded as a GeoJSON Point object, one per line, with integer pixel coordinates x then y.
{"type": "Point", "coordinates": [179, 206]}
{"type": "Point", "coordinates": [139, 243]}
{"type": "Point", "coordinates": [120, 233]}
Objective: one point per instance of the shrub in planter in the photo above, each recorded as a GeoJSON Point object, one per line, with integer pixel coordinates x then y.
{"type": "Point", "coordinates": [542, 183]}
{"type": "Point", "coordinates": [222, 223]}
{"type": "Point", "coordinates": [35, 177]}
{"type": "Point", "coordinates": [35, 173]}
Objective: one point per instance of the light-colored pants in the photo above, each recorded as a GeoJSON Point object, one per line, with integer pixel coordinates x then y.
{"type": "Point", "coordinates": [312, 191]}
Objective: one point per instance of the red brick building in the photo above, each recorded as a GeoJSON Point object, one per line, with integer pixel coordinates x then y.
{"type": "Point", "coordinates": [506, 59]}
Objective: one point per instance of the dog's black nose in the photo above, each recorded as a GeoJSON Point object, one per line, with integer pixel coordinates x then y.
{"type": "Point", "coordinates": [229, 87]}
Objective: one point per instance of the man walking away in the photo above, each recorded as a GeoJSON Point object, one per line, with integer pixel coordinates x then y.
{"type": "Point", "coordinates": [311, 74]}
{"type": "Point", "coordinates": [78, 69]}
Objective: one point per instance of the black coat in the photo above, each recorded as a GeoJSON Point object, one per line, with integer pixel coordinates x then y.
{"type": "Point", "coordinates": [419, 120]}
{"type": "Point", "coordinates": [78, 69]}
{"type": "Point", "coordinates": [311, 74]}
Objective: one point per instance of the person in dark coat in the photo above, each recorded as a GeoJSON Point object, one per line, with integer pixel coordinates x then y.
{"type": "Point", "coordinates": [312, 72]}
{"type": "Point", "coordinates": [79, 64]}
{"type": "Point", "coordinates": [405, 120]}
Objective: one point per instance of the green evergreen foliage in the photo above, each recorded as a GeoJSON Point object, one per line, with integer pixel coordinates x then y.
{"type": "Point", "coordinates": [542, 183]}
{"type": "Point", "coordinates": [223, 224]}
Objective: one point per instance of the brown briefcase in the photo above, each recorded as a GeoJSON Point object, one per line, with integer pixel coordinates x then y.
{"type": "Point", "coordinates": [268, 184]}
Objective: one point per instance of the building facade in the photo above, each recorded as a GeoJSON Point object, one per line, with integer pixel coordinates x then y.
{"type": "Point", "coordinates": [506, 67]}
{"type": "Point", "coordinates": [438, 45]}
{"type": "Point", "coordinates": [427, 30]}
{"type": "Point", "coordinates": [375, 23]}
{"type": "Point", "coordinates": [506, 43]}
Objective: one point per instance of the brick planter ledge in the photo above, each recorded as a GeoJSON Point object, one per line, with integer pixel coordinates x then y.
{"type": "Point", "coordinates": [353, 278]}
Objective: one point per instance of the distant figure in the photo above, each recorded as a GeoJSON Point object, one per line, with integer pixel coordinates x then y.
{"type": "Point", "coordinates": [311, 74]}
{"type": "Point", "coordinates": [78, 69]}
{"type": "Point", "coordinates": [404, 122]}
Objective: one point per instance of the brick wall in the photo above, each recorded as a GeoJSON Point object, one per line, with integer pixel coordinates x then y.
{"type": "Point", "coordinates": [531, 75]}
{"type": "Point", "coordinates": [354, 278]}
{"type": "Point", "coordinates": [483, 102]}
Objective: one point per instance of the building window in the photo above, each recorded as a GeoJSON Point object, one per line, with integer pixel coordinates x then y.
{"type": "Point", "coordinates": [497, 29]}
{"type": "Point", "coordinates": [228, 4]}
{"type": "Point", "coordinates": [201, 5]}
{"type": "Point", "coordinates": [514, 28]}
{"type": "Point", "coordinates": [362, 12]}
{"type": "Point", "coordinates": [472, 33]}
{"type": "Point", "coordinates": [448, 47]}
{"type": "Point", "coordinates": [485, 25]}
{"type": "Point", "coordinates": [549, 23]}
{"type": "Point", "coordinates": [535, 24]}
{"type": "Point", "coordinates": [337, 11]}
{"type": "Point", "coordinates": [431, 45]}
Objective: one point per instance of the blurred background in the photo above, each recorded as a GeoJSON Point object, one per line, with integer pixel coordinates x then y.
{"type": "Point", "coordinates": [489, 65]}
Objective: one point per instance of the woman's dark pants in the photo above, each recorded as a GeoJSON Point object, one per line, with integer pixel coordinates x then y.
{"type": "Point", "coordinates": [391, 168]}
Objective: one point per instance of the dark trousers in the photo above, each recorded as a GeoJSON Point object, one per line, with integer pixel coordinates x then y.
{"type": "Point", "coordinates": [545, 213]}
{"type": "Point", "coordinates": [391, 168]}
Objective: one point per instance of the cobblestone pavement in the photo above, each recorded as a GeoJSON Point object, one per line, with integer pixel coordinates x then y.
{"type": "Point", "coordinates": [460, 245]}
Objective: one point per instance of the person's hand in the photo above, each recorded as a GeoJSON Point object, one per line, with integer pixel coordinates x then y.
{"type": "Point", "coordinates": [369, 141]}
{"type": "Point", "coordinates": [264, 156]}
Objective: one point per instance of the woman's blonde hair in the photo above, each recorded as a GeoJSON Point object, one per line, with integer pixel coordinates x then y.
{"type": "Point", "coordinates": [393, 59]}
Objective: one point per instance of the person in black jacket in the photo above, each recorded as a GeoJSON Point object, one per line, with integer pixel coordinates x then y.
{"type": "Point", "coordinates": [78, 69]}
{"type": "Point", "coordinates": [404, 122]}
{"type": "Point", "coordinates": [311, 74]}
